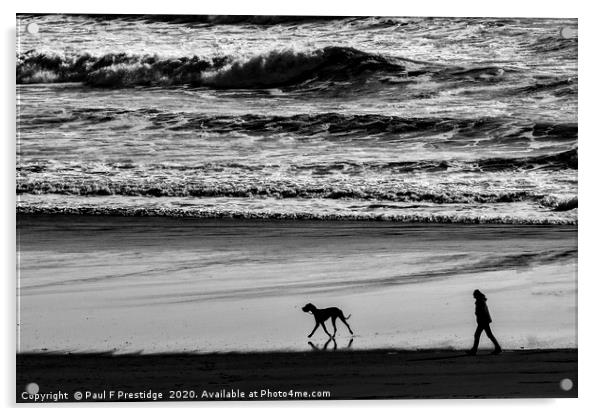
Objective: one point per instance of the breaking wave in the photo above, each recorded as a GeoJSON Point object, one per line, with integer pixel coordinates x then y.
{"type": "Point", "coordinates": [274, 69]}
{"type": "Point", "coordinates": [112, 70]}
{"type": "Point", "coordinates": [557, 161]}
{"type": "Point", "coordinates": [277, 68]}
{"type": "Point", "coordinates": [560, 203]}
{"type": "Point", "coordinates": [309, 216]}
{"type": "Point", "coordinates": [276, 190]}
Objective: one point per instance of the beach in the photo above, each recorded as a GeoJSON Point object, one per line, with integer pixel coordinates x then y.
{"type": "Point", "coordinates": [186, 184]}
{"type": "Point", "coordinates": [155, 285]}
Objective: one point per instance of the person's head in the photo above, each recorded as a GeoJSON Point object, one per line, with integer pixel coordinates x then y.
{"type": "Point", "coordinates": [477, 294]}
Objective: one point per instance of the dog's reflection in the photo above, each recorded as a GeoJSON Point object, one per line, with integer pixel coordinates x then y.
{"type": "Point", "coordinates": [327, 343]}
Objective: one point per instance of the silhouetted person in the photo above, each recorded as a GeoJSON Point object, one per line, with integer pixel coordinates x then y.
{"type": "Point", "coordinates": [483, 321]}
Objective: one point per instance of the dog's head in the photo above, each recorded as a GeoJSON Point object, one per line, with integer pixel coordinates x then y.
{"type": "Point", "coordinates": [308, 308]}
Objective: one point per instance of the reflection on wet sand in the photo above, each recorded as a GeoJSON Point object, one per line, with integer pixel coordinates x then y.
{"type": "Point", "coordinates": [332, 340]}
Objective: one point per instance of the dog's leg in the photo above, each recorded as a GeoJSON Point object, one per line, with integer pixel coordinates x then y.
{"type": "Point", "coordinates": [325, 330]}
{"type": "Point", "coordinates": [312, 332]}
{"type": "Point", "coordinates": [346, 324]}
{"type": "Point", "coordinates": [334, 325]}
{"type": "Point", "coordinates": [311, 344]}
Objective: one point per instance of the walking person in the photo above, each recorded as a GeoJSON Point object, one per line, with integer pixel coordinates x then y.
{"type": "Point", "coordinates": [483, 321]}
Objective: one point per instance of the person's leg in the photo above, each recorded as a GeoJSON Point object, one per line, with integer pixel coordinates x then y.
{"type": "Point", "coordinates": [477, 337]}
{"type": "Point", "coordinates": [492, 338]}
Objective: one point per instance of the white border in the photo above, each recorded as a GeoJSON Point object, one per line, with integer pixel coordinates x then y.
{"type": "Point", "coordinates": [464, 8]}
{"type": "Point", "coordinates": [590, 174]}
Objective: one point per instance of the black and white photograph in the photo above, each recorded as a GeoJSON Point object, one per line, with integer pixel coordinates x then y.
{"type": "Point", "coordinates": [295, 207]}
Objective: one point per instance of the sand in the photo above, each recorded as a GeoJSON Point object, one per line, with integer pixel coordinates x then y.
{"type": "Point", "coordinates": [345, 374]}
{"type": "Point", "coordinates": [172, 285]}
{"type": "Point", "coordinates": [214, 305]}
{"type": "Point", "coordinates": [169, 285]}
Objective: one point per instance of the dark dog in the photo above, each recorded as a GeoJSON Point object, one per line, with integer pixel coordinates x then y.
{"type": "Point", "coordinates": [322, 315]}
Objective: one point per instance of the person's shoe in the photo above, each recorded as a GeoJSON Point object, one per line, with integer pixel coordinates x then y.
{"type": "Point", "coordinates": [497, 351]}
{"type": "Point", "coordinates": [471, 352]}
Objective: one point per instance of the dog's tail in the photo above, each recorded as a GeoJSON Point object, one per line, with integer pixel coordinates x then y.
{"type": "Point", "coordinates": [347, 317]}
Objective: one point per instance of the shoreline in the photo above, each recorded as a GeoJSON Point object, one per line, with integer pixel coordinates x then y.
{"type": "Point", "coordinates": [281, 219]}
{"type": "Point", "coordinates": [265, 216]}
{"type": "Point", "coordinates": [348, 374]}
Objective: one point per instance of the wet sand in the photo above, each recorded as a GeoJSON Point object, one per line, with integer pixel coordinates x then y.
{"type": "Point", "coordinates": [347, 374]}
{"type": "Point", "coordinates": [155, 285]}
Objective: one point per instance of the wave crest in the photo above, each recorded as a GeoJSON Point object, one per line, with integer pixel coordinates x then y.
{"type": "Point", "coordinates": [300, 215]}
{"type": "Point", "coordinates": [560, 203]}
{"type": "Point", "coordinates": [112, 70]}
{"type": "Point", "coordinates": [274, 69]}
{"type": "Point", "coordinates": [280, 190]}
{"type": "Point", "coordinates": [281, 68]}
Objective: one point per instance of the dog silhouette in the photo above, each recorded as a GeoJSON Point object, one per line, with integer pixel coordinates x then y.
{"type": "Point", "coordinates": [322, 315]}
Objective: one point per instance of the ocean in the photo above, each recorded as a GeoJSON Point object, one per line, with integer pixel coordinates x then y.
{"type": "Point", "coordinates": [188, 183]}
{"type": "Point", "coordinates": [404, 119]}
